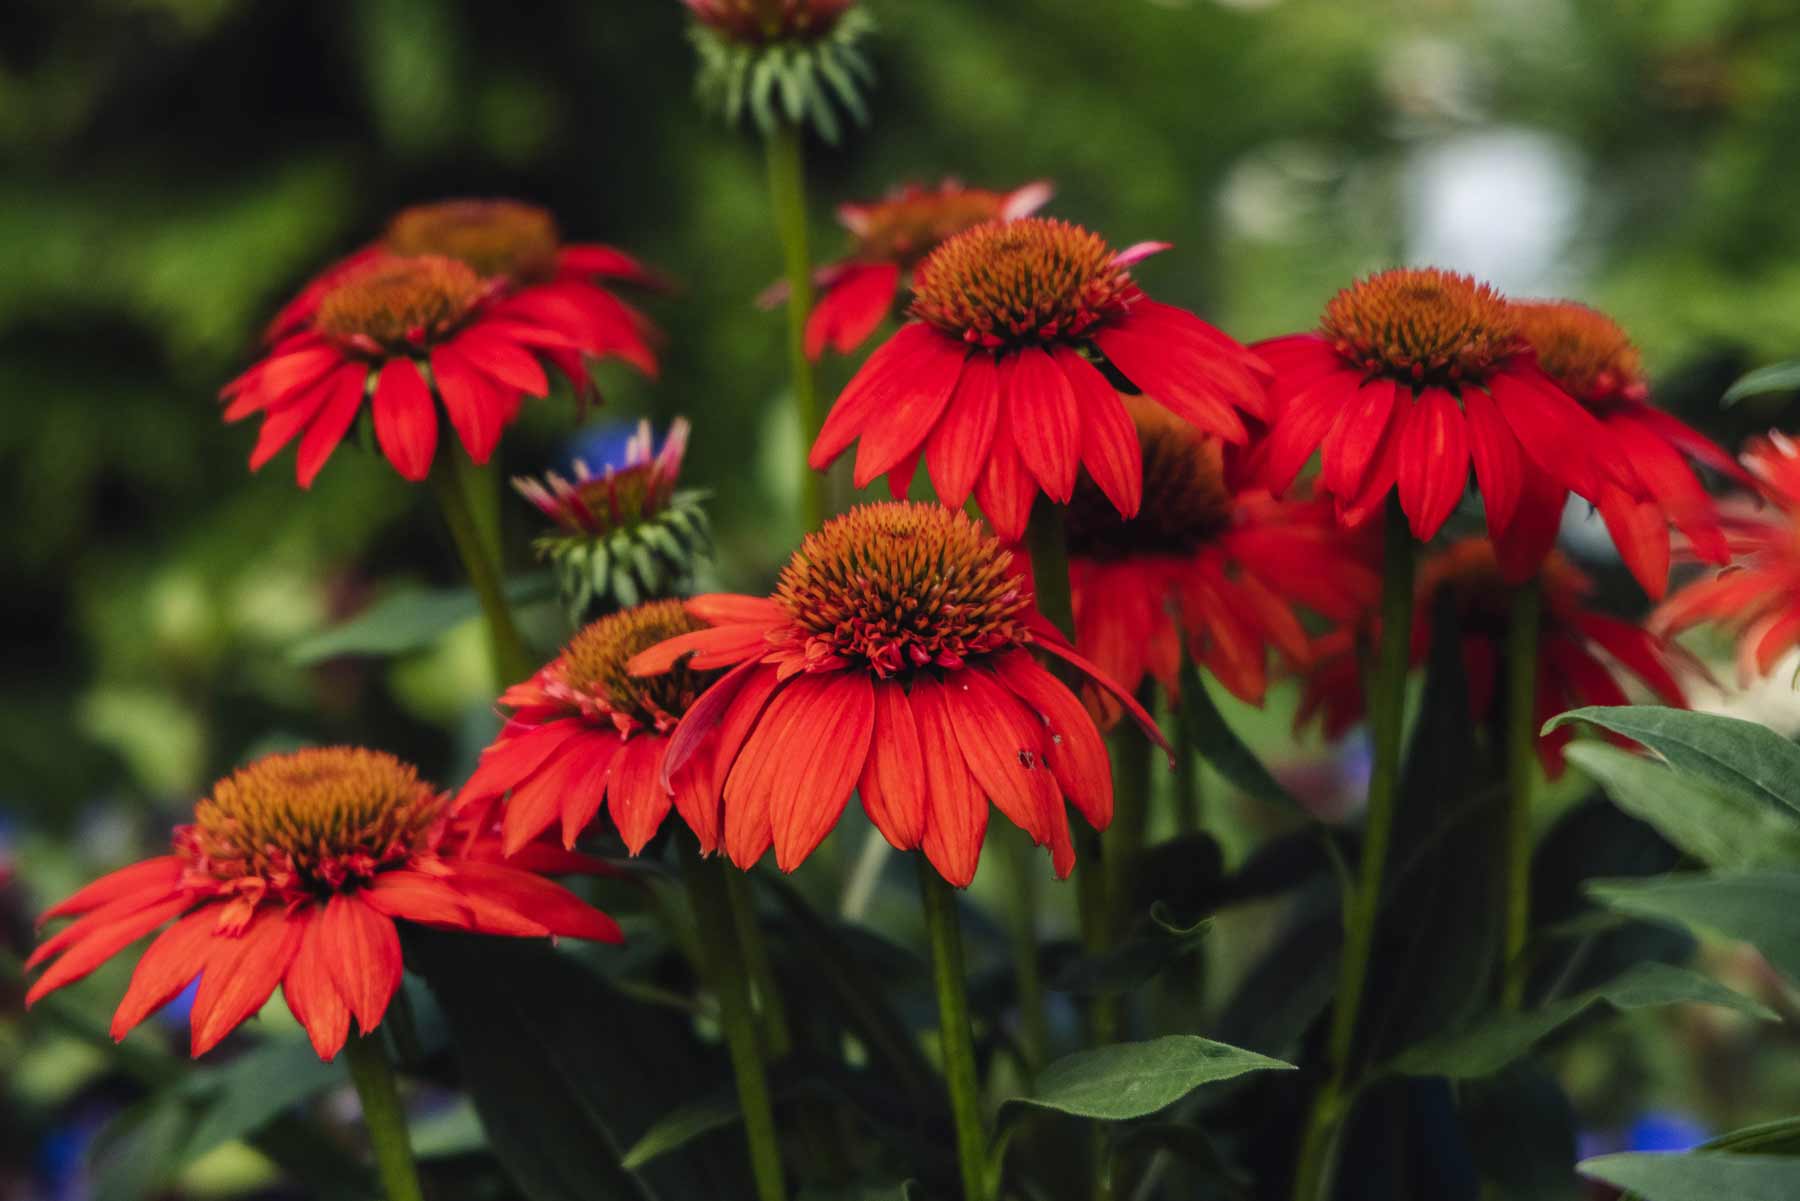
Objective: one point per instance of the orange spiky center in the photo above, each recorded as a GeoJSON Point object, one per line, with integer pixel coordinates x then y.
{"type": "Point", "coordinates": [1033, 280]}
{"type": "Point", "coordinates": [1186, 501]}
{"type": "Point", "coordinates": [1422, 326]}
{"type": "Point", "coordinates": [591, 676]}
{"type": "Point", "coordinates": [311, 823]}
{"type": "Point", "coordinates": [1470, 572]}
{"type": "Point", "coordinates": [905, 228]}
{"type": "Point", "coordinates": [492, 237]}
{"type": "Point", "coordinates": [899, 586]}
{"type": "Point", "coordinates": [400, 303]}
{"type": "Point", "coordinates": [760, 22]}
{"type": "Point", "coordinates": [1584, 350]}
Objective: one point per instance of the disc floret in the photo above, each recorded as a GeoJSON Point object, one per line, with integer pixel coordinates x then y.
{"type": "Point", "coordinates": [1034, 280]}
{"type": "Point", "coordinates": [1422, 326]}
{"type": "Point", "coordinates": [1584, 350]}
{"type": "Point", "coordinates": [590, 675]}
{"type": "Point", "coordinates": [911, 223]}
{"type": "Point", "coordinates": [492, 237]}
{"type": "Point", "coordinates": [399, 304]}
{"type": "Point", "coordinates": [1186, 500]}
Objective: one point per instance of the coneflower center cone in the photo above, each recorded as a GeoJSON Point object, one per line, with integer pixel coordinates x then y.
{"type": "Point", "coordinates": [1583, 350]}
{"type": "Point", "coordinates": [906, 227]}
{"type": "Point", "coordinates": [492, 237]}
{"type": "Point", "coordinates": [1422, 326]}
{"type": "Point", "coordinates": [1032, 280]}
{"type": "Point", "coordinates": [400, 303]}
{"type": "Point", "coordinates": [593, 676]}
{"type": "Point", "coordinates": [1186, 500]}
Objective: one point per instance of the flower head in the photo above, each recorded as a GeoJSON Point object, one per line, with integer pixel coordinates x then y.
{"type": "Point", "coordinates": [624, 534]}
{"type": "Point", "coordinates": [1000, 382]}
{"type": "Point", "coordinates": [1226, 571]}
{"type": "Point", "coordinates": [585, 732]}
{"type": "Point", "coordinates": [793, 61]}
{"type": "Point", "coordinates": [1415, 378]}
{"type": "Point", "coordinates": [1581, 651]}
{"type": "Point", "coordinates": [1758, 597]}
{"type": "Point", "coordinates": [760, 22]}
{"type": "Point", "coordinates": [1591, 358]}
{"type": "Point", "coordinates": [896, 658]}
{"type": "Point", "coordinates": [888, 239]}
{"type": "Point", "coordinates": [294, 872]}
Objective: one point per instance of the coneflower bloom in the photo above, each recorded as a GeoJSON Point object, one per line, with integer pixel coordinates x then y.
{"type": "Point", "coordinates": [406, 337]}
{"type": "Point", "coordinates": [895, 658]}
{"type": "Point", "coordinates": [624, 533]}
{"type": "Point", "coordinates": [1758, 597]}
{"type": "Point", "coordinates": [517, 242]}
{"type": "Point", "coordinates": [1415, 377]}
{"type": "Point", "coordinates": [759, 22]}
{"type": "Point", "coordinates": [889, 237]}
{"type": "Point", "coordinates": [1001, 384]}
{"type": "Point", "coordinates": [1581, 651]}
{"type": "Point", "coordinates": [294, 873]}
{"type": "Point", "coordinates": [584, 732]}
{"type": "Point", "coordinates": [1230, 569]}
{"type": "Point", "coordinates": [1593, 360]}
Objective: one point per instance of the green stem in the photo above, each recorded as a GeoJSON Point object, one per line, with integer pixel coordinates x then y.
{"type": "Point", "coordinates": [1188, 782]}
{"type": "Point", "coordinates": [1521, 768]}
{"type": "Point", "coordinates": [384, 1117]}
{"type": "Point", "coordinates": [507, 652]}
{"type": "Point", "coordinates": [1131, 817]}
{"type": "Point", "coordinates": [787, 193]}
{"type": "Point", "coordinates": [778, 1038]}
{"type": "Point", "coordinates": [710, 894]}
{"type": "Point", "coordinates": [955, 1032]}
{"type": "Point", "coordinates": [1387, 712]}
{"type": "Point", "coordinates": [1050, 566]}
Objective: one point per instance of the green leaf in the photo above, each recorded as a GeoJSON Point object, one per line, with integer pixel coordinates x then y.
{"type": "Point", "coordinates": [1698, 1176]}
{"type": "Point", "coordinates": [1720, 827]}
{"type": "Point", "coordinates": [409, 619]}
{"type": "Point", "coordinates": [1501, 1037]}
{"type": "Point", "coordinates": [1760, 908]}
{"type": "Point", "coordinates": [1224, 751]}
{"type": "Point", "coordinates": [1777, 377]}
{"type": "Point", "coordinates": [1737, 755]}
{"type": "Point", "coordinates": [1779, 1137]}
{"type": "Point", "coordinates": [1132, 1080]}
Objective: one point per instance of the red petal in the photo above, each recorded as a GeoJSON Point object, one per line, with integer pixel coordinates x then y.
{"type": "Point", "coordinates": [345, 391]}
{"type": "Point", "coordinates": [1178, 382]}
{"type": "Point", "coordinates": [167, 967]}
{"type": "Point", "coordinates": [1003, 753]}
{"type": "Point", "coordinates": [956, 814]}
{"type": "Point", "coordinates": [1521, 548]}
{"type": "Point", "coordinates": [800, 763]}
{"type": "Point", "coordinates": [635, 794]}
{"type": "Point", "coordinates": [503, 360]}
{"type": "Point", "coordinates": [881, 381]}
{"type": "Point", "coordinates": [405, 419]}
{"type": "Point", "coordinates": [1005, 491]}
{"type": "Point", "coordinates": [1143, 719]}
{"type": "Point", "coordinates": [241, 973]}
{"type": "Point", "coordinates": [586, 791]}
{"type": "Point", "coordinates": [719, 646]}
{"type": "Point", "coordinates": [1434, 461]}
{"type": "Point", "coordinates": [893, 776]}
{"type": "Point", "coordinates": [474, 404]}
{"type": "Point", "coordinates": [511, 759]}
{"type": "Point", "coordinates": [910, 411]}
{"type": "Point", "coordinates": [1109, 441]}
{"type": "Point", "coordinates": [538, 801]}
{"type": "Point", "coordinates": [153, 877]}
{"type": "Point", "coordinates": [534, 898]}
{"type": "Point", "coordinates": [721, 608]}
{"type": "Point", "coordinates": [849, 310]}
{"type": "Point", "coordinates": [101, 944]}
{"type": "Point", "coordinates": [1045, 419]}
{"type": "Point", "coordinates": [1304, 424]}
{"type": "Point", "coordinates": [313, 997]}
{"type": "Point", "coordinates": [707, 715]}
{"type": "Point", "coordinates": [1495, 453]}
{"type": "Point", "coordinates": [697, 801]}
{"type": "Point", "coordinates": [1549, 429]}
{"type": "Point", "coordinates": [418, 897]}
{"type": "Point", "coordinates": [957, 449]}
{"type": "Point", "coordinates": [361, 949]}
{"type": "Point", "coordinates": [1640, 532]}
{"type": "Point", "coordinates": [1350, 449]}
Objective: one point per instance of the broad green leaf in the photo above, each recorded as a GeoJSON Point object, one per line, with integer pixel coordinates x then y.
{"type": "Point", "coordinates": [1495, 1041]}
{"type": "Point", "coordinates": [408, 620]}
{"type": "Point", "coordinates": [1719, 826]}
{"type": "Point", "coordinates": [1698, 1175]}
{"type": "Point", "coordinates": [1760, 908]}
{"type": "Point", "coordinates": [1133, 1080]}
{"type": "Point", "coordinates": [1776, 377]}
{"type": "Point", "coordinates": [1779, 1137]}
{"type": "Point", "coordinates": [1738, 755]}
{"type": "Point", "coordinates": [1224, 751]}
{"type": "Point", "coordinates": [241, 1097]}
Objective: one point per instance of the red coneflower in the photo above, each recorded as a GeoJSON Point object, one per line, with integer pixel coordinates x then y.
{"type": "Point", "coordinates": [1758, 597]}
{"type": "Point", "coordinates": [996, 383]}
{"type": "Point", "coordinates": [584, 731]}
{"type": "Point", "coordinates": [758, 22]}
{"type": "Point", "coordinates": [894, 658]}
{"type": "Point", "coordinates": [517, 242]}
{"type": "Point", "coordinates": [294, 872]}
{"type": "Point", "coordinates": [1572, 640]}
{"type": "Point", "coordinates": [1593, 360]}
{"type": "Point", "coordinates": [407, 335]}
{"type": "Point", "coordinates": [1415, 377]}
{"type": "Point", "coordinates": [1234, 566]}
{"type": "Point", "coordinates": [890, 236]}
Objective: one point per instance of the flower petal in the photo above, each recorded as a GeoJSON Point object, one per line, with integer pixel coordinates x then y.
{"type": "Point", "coordinates": [1434, 462]}
{"type": "Point", "coordinates": [956, 814]}
{"type": "Point", "coordinates": [893, 777]}
{"type": "Point", "coordinates": [1109, 441]}
{"type": "Point", "coordinates": [405, 419]}
{"type": "Point", "coordinates": [361, 949]}
{"type": "Point", "coordinates": [957, 449]}
{"type": "Point", "coordinates": [1045, 419]}
{"type": "Point", "coordinates": [312, 996]}
{"type": "Point", "coordinates": [241, 973]}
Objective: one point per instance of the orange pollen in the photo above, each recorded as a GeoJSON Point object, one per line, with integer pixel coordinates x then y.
{"type": "Point", "coordinates": [311, 823]}
{"type": "Point", "coordinates": [1186, 501]}
{"type": "Point", "coordinates": [1469, 570]}
{"type": "Point", "coordinates": [493, 237]}
{"type": "Point", "coordinates": [1422, 326]}
{"type": "Point", "coordinates": [1036, 279]}
{"type": "Point", "coordinates": [898, 586]}
{"type": "Point", "coordinates": [1584, 350]}
{"type": "Point", "coordinates": [591, 677]}
{"type": "Point", "coordinates": [400, 303]}
{"type": "Point", "coordinates": [905, 227]}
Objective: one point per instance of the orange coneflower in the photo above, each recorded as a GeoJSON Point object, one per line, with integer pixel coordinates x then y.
{"type": "Point", "coordinates": [1229, 567]}
{"type": "Point", "coordinates": [895, 658]}
{"type": "Point", "coordinates": [1594, 361]}
{"type": "Point", "coordinates": [294, 873]}
{"type": "Point", "coordinates": [889, 237]}
{"type": "Point", "coordinates": [1758, 597]}
{"type": "Point", "coordinates": [998, 382]}
{"type": "Point", "coordinates": [583, 731]}
{"type": "Point", "coordinates": [1580, 650]}
{"type": "Point", "coordinates": [1415, 377]}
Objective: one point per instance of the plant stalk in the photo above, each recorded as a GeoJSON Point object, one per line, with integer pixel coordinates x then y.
{"type": "Point", "coordinates": [1521, 769]}
{"type": "Point", "coordinates": [778, 1038]}
{"type": "Point", "coordinates": [710, 894]}
{"type": "Point", "coordinates": [955, 1031]}
{"type": "Point", "coordinates": [1362, 909]}
{"type": "Point", "coordinates": [787, 194]}
{"type": "Point", "coordinates": [383, 1117]}
{"type": "Point", "coordinates": [506, 651]}
{"type": "Point", "coordinates": [1189, 807]}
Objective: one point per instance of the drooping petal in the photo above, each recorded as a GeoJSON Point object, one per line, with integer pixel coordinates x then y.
{"type": "Point", "coordinates": [634, 793]}
{"type": "Point", "coordinates": [504, 360]}
{"type": "Point", "coordinates": [1109, 442]}
{"type": "Point", "coordinates": [470, 400]}
{"type": "Point", "coordinates": [405, 419]}
{"type": "Point", "coordinates": [588, 789]}
{"type": "Point", "coordinates": [345, 392]}
{"type": "Point", "coordinates": [958, 447]}
{"type": "Point", "coordinates": [1303, 425]}
{"type": "Point", "coordinates": [1004, 755]}
{"type": "Point", "coordinates": [802, 760]}
{"type": "Point", "coordinates": [1434, 462]}
{"type": "Point", "coordinates": [101, 944]}
{"type": "Point", "coordinates": [956, 814]}
{"type": "Point", "coordinates": [312, 995]}
{"type": "Point", "coordinates": [1130, 703]}
{"type": "Point", "coordinates": [167, 967]}
{"type": "Point", "coordinates": [1494, 452]}
{"type": "Point", "coordinates": [1351, 448]}
{"type": "Point", "coordinates": [725, 608]}
{"type": "Point", "coordinates": [893, 777]}
{"type": "Point", "coordinates": [898, 432]}
{"type": "Point", "coordinates": [851, 308]}
{"type": "Point", "coordinates": [883, 379]}
{"type": "Point", "coordinates": [1045, 419]}
{"type": "Point", "coordinates": [697, 801]}
{"type": "Point", "coordinates": [548, 905]}
{"type": "Point", "coordinates": [361, 949]}
{"type": "Point", "coordinates": [1640, 532]}
{"type": "Point", "coordinates": [241, 973]}
{"type": "Point", "coordinates": [1005, 490]}
{"type": "Point", "coordinates": [152, 878]}
{"type": "Point", "coordinates": [419, 897]}
{"type": "Point", "coordinates": [510, 760]}
{"type": "Point", "coordinates": [537, 801]}
{"type": "Point", "coordinates": [1521, 548]}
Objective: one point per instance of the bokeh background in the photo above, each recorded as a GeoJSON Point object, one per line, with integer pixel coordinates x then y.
{"type": "Point", "coordinates": [174, 168]}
